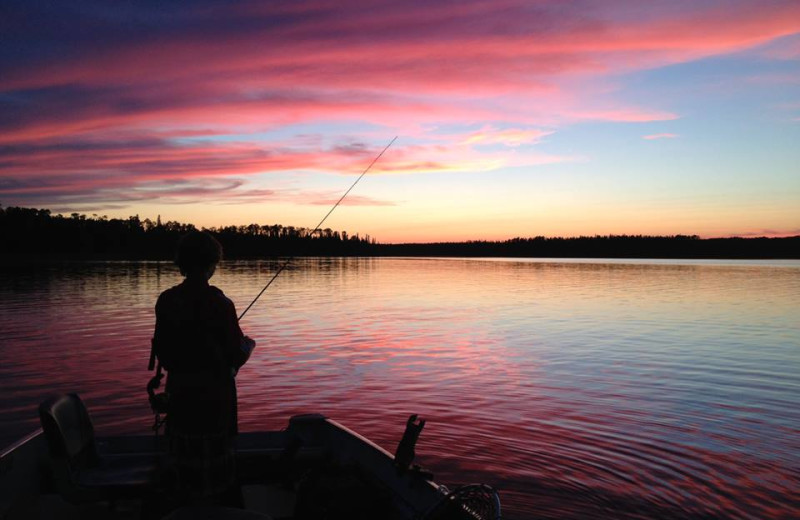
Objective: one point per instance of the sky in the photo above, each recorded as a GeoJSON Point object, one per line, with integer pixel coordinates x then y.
{"type": "Point", "coordinates": [514, 118]}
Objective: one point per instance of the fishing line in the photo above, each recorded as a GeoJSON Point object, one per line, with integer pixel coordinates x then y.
{"type": "Point", "coordinates": [286, 263]}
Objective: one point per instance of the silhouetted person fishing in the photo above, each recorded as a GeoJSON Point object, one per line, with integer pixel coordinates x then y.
{"type": "Point", "coordinates": [198, 341]}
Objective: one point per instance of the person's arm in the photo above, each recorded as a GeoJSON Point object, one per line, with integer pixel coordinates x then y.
{"type": "Point", "coordinates": [160, 336]}
{"type": "Point", "coordinates": [247, 346]}
{"type": "Point", "coordinates": [239, 347]}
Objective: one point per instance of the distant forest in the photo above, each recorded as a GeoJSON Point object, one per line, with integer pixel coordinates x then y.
{"type": "Point", "coordinates": [38, 235]}
{"type": "Point", "coordinates": [29, 233]}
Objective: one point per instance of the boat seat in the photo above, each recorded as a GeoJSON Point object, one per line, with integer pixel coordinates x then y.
{"type": "Point", "coordinates": [81, 473]}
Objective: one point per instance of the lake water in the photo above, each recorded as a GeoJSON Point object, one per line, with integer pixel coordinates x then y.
{"type": "Point", "coordinates": [579, 389]}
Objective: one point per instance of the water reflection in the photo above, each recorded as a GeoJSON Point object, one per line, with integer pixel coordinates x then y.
{"type": "Point", "coordinates": [580, 389]}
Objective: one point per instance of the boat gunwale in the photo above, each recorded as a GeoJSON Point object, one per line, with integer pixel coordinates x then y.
{"type": "Point", "coordinates": [8, 450]}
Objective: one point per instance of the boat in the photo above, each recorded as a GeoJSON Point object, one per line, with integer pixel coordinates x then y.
{"type": "Point", "coordinates": [315, 468]}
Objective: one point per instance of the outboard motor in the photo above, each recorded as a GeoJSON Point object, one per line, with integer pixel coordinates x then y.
{"type": "Point", "coordinates": [405, 453]}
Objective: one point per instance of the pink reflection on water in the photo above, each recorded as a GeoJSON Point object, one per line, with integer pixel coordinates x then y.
{"type": "Point", "coordinates": [578, 390]}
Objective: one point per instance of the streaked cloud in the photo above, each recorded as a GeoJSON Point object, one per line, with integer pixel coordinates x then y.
{"type": "Point", "coordinates": [116, 194]}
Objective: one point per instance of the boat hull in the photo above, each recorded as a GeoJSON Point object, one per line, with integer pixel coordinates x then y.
{"type": "Point", "coordinates": [315, 463]}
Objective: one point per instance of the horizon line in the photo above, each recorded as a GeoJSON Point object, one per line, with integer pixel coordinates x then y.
{"type": "Point", "coordinates": [744, 236]}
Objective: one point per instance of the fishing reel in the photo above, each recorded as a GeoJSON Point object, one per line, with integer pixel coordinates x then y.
{"type": "Point", "coordinates": [159, 402]}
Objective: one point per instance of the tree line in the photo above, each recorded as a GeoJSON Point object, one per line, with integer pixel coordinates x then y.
{"type": "Point", "coordinates": [37, 234]}
{"type": "Point", "coordinates": [610, 246]}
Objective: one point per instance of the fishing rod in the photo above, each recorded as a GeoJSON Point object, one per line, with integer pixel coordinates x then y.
{"type": "Point", "coordinates": [318, 226]}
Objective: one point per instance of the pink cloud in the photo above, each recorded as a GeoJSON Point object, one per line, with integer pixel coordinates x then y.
{"type": "Point", "coordinates": [626, 115]}
{"type": "Point", "coordinates": [132, 111]}
{"type": "Point", "coordinates": [329, 199]}
{"type": "Point", "coordinates": [439, 72]}
{"type": "Point", "coordinates": [460, 157]}
{"type": "Point", "coordinates": [660, 136]}
{"type": "Point", "coordinates": [110, 172]}
{"type": "Point", "coordinates": [98, 194]}
{"type": "Point", "coordinates": [163, 160]}
{"type": "Point", "coordinates": [391, 45]}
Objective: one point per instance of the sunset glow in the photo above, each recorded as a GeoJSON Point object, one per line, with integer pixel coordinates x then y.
{"type": "Point", "coordinates": [514, 118]}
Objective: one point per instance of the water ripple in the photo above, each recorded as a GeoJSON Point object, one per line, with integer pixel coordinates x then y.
{"type": "Point", "coordinates": [579, 389]}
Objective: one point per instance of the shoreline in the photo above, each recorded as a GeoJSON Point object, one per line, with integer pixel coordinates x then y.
{"type": "Point", "coordinates": [33, 260]}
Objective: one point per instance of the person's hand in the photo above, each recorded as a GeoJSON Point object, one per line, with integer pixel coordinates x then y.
{"type": "Point", "coordinates": [248, 344]}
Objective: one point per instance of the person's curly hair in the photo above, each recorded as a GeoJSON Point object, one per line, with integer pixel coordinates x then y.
{"type": "Point", "coordinates": [197, 251]}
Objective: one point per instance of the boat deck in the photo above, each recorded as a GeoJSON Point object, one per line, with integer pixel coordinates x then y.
{"type": "Point", "coordinates": [316, 468]}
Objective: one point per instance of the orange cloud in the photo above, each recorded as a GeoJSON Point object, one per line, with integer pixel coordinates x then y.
{"type": "Point", "coordinates": [508, 137]}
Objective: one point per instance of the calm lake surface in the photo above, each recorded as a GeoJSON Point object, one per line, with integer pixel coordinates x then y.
{"type": "Point", "coordinates": [579, 389]}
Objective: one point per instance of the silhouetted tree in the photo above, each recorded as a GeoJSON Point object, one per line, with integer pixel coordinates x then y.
{"type": "Point", "coordinates": [28, 233]}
